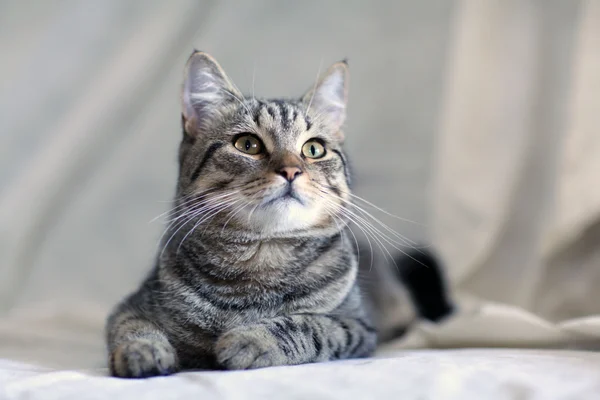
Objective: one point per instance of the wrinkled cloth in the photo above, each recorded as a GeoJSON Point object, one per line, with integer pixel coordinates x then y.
{"type": "Point", "coordinates": [449, 374]}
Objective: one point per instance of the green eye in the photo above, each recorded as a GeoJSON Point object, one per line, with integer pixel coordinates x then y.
{"type": "Point", "coordinates": [248, 144]}
{"type": "Point", "coordinates": [313, 149]}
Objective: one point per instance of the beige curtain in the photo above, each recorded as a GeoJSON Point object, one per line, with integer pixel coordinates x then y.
{"type": "Point", "coordinates": [516, 193]}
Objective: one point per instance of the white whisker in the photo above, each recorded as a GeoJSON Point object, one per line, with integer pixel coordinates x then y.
{"type": "Point", "coordinates": [240, 101]}
{"type": "Point", "coordinates": [232, 214]}
{"type": "Point", "coordinates": [184, 201]}
{"type": "Point", "coordinates": [312, 96]}
{"type": "Point", "coordinates": [207, 208]}
{"type": "Point", "coordinates": [366, 226]}
{"type": "Point", "coordinates": [376, 207]}
{"type": "Point", "coordinates": [368, 230]}
{"type": "Point", "coordinates": [365, 213]}
{"type": "Point", "coordinates": [205, 218]}
{"type": "Point", "coordinates": [334, 207]}
{"type": "Point", "coordinates": [220, 197]}
{"type": "Point", "coordinates": [253, 76]}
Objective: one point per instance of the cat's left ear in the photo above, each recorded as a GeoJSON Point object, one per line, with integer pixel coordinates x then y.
{"type": "Point", "coordinates": [206, 88]}
{"type": "Point", "coordinates": [330, 95]}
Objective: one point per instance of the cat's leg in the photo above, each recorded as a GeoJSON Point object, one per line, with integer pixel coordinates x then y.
{"type": "Point", "coordinates": [137, 347]}
{"type": "Point", "coordinates": [295, 339]}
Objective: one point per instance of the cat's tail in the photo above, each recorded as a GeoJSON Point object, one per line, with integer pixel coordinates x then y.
{"type": "Point", "coordinates": [421, 273]}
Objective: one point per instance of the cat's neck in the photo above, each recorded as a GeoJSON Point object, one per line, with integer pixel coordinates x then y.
{"type": "Point", "coordinates": [248, 250]}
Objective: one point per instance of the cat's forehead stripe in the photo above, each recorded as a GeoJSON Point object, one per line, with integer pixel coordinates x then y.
{"type": "Point", "coordinates": [281, 120]}
{"type": "Point", "coordinates": [283, 114]}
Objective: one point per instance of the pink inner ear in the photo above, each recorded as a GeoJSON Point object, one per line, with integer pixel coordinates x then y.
{"type": "Point", "coordinates": [332, 89]}
{"type": "Point", "coordinates": [205, 88]}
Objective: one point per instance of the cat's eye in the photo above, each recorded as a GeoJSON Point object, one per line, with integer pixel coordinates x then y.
{"type": "Point", "coordinates": [248, 144]}
{"type": "Point", "coordinates": [313, 149]}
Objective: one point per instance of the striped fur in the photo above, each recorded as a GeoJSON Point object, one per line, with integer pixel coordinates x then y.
{"type": "Point", "coordinates": [255, 270]}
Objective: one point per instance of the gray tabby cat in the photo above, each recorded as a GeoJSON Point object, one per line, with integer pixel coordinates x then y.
{"type": "Point", "coordinates": [256, 269]}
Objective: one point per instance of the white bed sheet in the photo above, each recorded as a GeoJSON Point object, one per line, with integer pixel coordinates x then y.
{"type": "Point", "coordinates": [414, 374]}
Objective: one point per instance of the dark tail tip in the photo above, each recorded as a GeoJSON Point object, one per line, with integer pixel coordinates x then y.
{"type": "Point", "coordinates": [421, 272]}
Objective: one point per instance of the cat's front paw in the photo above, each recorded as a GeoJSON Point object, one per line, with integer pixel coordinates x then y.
{"type": "Point", "coordinates": [249, 347]}
{"type": "Point", "coordinates": [142, 358]}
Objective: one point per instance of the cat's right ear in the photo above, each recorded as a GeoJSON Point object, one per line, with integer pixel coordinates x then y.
{"type": "Point", "coordinates": [205, 89]}
{"type": "Point", "coordinates": [329, 96]}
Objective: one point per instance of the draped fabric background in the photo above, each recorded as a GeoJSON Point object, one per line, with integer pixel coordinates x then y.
{"type": "Point", "coordinates": [516, 200]}
{"type": "Point", "coordinates": [476, 119]}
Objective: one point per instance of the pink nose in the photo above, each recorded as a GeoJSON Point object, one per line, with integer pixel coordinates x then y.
{"type": "Point", "coordinates": [290, 173]}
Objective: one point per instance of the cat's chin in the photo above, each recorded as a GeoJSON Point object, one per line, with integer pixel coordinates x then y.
{"type": "Point", "coordinates": [284, 214]}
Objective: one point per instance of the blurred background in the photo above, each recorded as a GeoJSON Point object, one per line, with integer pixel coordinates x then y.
{"type": "Point", "coordinates": [475, 119]}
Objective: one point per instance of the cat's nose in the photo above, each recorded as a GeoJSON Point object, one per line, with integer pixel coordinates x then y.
{"type": "Point", "coordinates": [289, 173]}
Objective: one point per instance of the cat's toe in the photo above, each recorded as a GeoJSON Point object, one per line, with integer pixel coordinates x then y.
{"type": "Point", "coordinates": [248, 348]}
{"type": "Point", "coordinates": [143, 358]}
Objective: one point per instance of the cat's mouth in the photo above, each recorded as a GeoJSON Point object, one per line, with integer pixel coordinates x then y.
{"type": "Point", "coordinates": [287, 194]}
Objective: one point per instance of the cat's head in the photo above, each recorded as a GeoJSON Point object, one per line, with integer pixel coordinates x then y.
{"type": "Point", "coordinates": [271, 167]}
